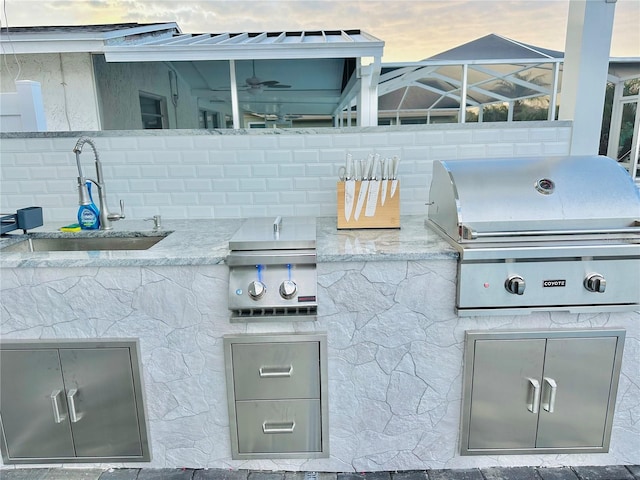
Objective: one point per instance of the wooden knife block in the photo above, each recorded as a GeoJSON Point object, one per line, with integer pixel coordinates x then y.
{"type": "Point", "coordinates": [386, 216]}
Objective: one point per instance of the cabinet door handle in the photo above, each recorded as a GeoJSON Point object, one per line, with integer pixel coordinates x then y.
{"type": "Point", "coordinates": [550, 394]}
{"type": "Point", "coordinates": [57, 417]}
{"type": "Point", "coordinates": [278, 427]}
{"type": "Point", "coordinates": [73, 415]}
{"type": "Point", "coordinates": [274, 372]}
{"type": "Point", "coordinates": [534, 395]}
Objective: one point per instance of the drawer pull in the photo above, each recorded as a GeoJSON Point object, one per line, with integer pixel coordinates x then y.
{"type": "Point", "coordinates": [278, 427]}
{"type": "Point", "coordinates": [275, 372]}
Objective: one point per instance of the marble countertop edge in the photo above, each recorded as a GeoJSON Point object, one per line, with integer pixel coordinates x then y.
{"type": "Point", "coordinates": [205, 242]}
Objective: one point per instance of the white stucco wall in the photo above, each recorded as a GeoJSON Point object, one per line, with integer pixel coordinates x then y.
{"type": "Point", "coordinates": [119, 86]}
{"type": "Point", "coordinates": [68, 92]}
{"type": "Point", "coordinates": [76, 99]}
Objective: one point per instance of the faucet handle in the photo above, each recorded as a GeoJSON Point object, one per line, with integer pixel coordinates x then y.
{"type": "Point", "coordinates": [157, 221]}
{"type": "Point", "coordinates": [118, 216]}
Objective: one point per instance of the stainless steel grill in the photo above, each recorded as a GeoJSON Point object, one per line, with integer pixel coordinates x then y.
{"type": "Point", "coordinates": [272, 270]}
{"type": "Point", "coordinates": [553, 233]}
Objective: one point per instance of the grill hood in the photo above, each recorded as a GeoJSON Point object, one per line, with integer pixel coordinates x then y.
{"type": "Point", "coordinates": [521, 198]}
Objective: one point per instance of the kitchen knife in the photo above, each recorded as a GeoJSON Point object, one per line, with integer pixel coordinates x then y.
{"type": "Point", "coordinates": [374, 188]}
{"type": "Point", "coordinates": [394, 178]}
{"type": "Point", "coordinates": [349, 187]}
{"type": "Point", "coordinates": [383, 174]}
{"type": "Point", "coordinates": [364, 185]}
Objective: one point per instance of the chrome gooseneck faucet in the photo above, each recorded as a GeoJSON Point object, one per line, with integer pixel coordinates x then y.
{"type": "Point", "coordinates": [105, 217]}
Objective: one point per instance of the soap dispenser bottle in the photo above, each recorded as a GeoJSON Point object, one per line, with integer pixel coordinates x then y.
{"type": "Point", "coordinates": [88, 213]}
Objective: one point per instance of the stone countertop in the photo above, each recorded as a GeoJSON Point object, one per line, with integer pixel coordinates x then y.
{"type": "Point", "coordinates": [205, 242]}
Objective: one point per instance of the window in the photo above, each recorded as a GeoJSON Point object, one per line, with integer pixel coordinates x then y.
{"type": "Point", "coordinates": [208, 119]}
{"type": "Point", "coordinates": [154, 111]}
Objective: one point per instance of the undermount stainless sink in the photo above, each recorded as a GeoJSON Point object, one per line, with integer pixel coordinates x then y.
{"type": "Point", "coordinates": [84, 244]}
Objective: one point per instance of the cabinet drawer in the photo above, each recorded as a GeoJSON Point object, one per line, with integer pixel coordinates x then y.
{"type": "Point", "coordinates": [278, 426]}
{"type": "Point", "coordinates": [267, 371]}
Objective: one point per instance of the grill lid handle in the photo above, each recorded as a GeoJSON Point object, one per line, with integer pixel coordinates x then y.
{"type": "Point", "coordinates": [469, 233]}
{"type": "Point", "coordinates": [277, 224]}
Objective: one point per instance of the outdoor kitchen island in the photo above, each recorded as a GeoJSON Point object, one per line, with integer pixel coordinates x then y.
{"type": "Point", "coordinates": [394, 343]}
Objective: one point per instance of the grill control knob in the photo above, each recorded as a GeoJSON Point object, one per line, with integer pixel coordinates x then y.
{"type": "Point", "coordinates": [288, 289]}
{"type": "Point", "coordinates": [595, 283]}
{"type": "Point", "coordinates": [515, 285]}
{"type": "Point", "coordinates": [256, 289]}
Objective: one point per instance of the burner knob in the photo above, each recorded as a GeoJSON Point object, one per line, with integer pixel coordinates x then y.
{"type": "Point", "coordinates": [288, 289]}
{"type": "Point", "coordinates": [256, 289]}
{"type": "Point", "coordinates": [595, 283]}
{"type": "Point", "coordinates": [515, 285]}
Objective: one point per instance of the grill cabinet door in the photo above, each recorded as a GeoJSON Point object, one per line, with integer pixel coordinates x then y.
{"type": "Point", "coordinates": [105, 405]}
{"type": "Point", "coordinates": [582, 370]}
{"type": "Point", "coordinates": [30, 378]}
{"type": "Point", "coordinates": [502, 398]}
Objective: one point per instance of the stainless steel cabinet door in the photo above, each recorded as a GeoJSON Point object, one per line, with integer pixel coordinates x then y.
{"type": "Point", "coordinates": [101, 398]}
{"type": "Point", "coordinates": [505, 393]}
{"type": "Point", "coordinates": [575, 391]}
{"type": "Point", "coordinates": [33, 406]}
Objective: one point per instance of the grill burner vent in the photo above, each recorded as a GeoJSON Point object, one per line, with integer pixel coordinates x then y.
{"type": "Point", "coordinates": [244, 314]}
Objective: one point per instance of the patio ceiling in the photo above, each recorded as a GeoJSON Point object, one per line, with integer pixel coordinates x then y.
{"type": "Point", "coordinates": [302, 73]}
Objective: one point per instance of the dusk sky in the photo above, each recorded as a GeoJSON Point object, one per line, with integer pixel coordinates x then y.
{"type": "Point", "coordinates": [412, 29]}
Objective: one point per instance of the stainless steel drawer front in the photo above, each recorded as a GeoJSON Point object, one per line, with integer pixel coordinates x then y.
{"type": "Point", "coordinates": [277, 394]}
{"type": "Point", "coordinates": [279, 425]}
{"type": "Point", "coordinates": [272, 371]}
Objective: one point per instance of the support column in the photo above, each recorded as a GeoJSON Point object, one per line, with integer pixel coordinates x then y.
{"type": "Point", "coordinates": [462, 115]}
{"type": "Point", "coordinates": [553, 100]}
{"type": "Point", "coordinates": [586, 64]}
{"type": "Point", "coordinates": [235, 106]}
{"type": "Point", "coordinates": [368, 94]}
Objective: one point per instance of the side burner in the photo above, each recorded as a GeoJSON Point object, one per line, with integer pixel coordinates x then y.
{"type": "Point", "coordinates": [272, 270]}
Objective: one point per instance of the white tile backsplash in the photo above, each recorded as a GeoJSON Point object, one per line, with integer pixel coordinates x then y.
{"type": "Point", "coordinates": [192, 175]}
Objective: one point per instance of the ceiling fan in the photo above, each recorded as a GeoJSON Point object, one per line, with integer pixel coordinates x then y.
{"type": "Point", "coordinates": [278, 116]}
{"type": "Point", "coordinates": [254, 84]}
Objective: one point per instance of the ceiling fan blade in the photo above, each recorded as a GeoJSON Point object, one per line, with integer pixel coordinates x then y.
{"type": "Point", "coordinates": [277, 85]}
